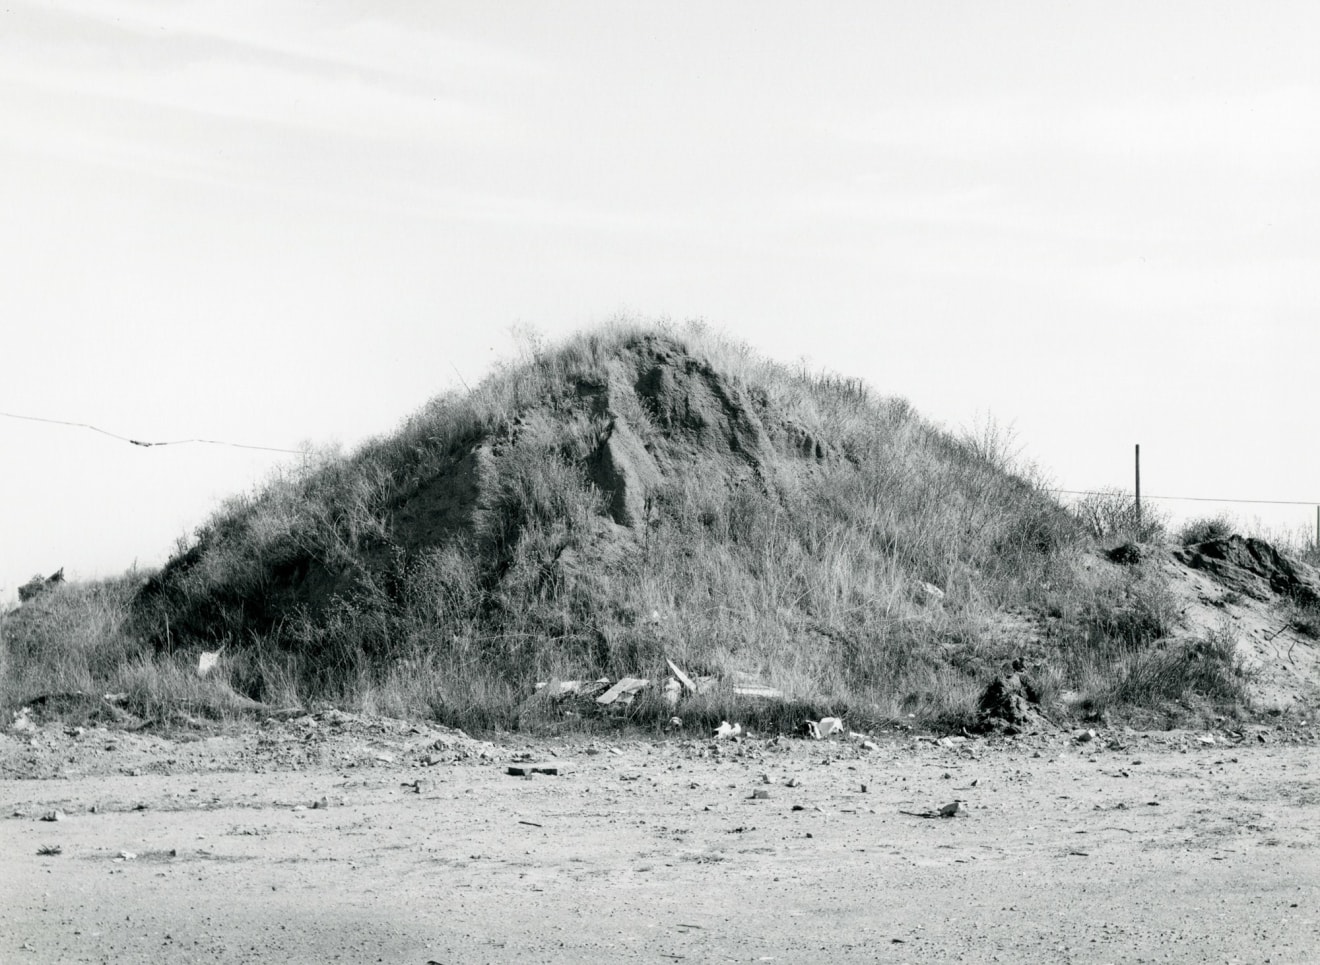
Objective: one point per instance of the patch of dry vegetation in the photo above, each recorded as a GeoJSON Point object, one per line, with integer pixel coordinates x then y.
{"type": "Point", "coordinates": [72, 645]}
{"type": "Point", "coordinates": [634, 495]}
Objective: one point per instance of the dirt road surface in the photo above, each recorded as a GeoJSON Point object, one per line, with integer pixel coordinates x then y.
{"type": "Point", "coordinates": [312, 841]}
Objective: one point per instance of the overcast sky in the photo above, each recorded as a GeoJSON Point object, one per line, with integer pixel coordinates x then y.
{"type": "Point", "coordinates": [289, 223]}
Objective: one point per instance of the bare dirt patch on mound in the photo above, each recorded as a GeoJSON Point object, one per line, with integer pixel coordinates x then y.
{"type": "Point", "coordinates": [1248, 590]}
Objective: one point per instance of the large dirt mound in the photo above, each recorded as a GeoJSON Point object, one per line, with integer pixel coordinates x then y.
{"type": "Point", "coordinates": [634, 498]}
{"type": "Point", "coordinates": [630, 497]}
{"type": "Point", "coordinates": [599, 454]}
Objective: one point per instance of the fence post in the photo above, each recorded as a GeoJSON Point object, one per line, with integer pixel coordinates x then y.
{"type": "Point", "coordinates": [1138, 466]}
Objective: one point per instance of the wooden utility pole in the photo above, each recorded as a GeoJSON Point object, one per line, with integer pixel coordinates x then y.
{"type": "Point", "coordinates": [1138, 485]}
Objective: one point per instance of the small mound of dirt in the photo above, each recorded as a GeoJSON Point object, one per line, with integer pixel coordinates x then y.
{"type": "Point", "coordinates": [1252, 567]}
{"type": "Point", "coordinates": [1010, 705]}
{"type": "Point", "coordinates": [1129, 554]}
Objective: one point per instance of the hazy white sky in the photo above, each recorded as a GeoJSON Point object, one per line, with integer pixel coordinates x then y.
{"type": "Point", "coordinates": [279, 223]}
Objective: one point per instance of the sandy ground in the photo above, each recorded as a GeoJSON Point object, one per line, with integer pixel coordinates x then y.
{"type": "Point", "coordinates": [309, 841]}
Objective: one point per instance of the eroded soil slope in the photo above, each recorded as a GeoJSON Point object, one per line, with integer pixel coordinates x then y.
{"type": "Point", "coordinates": [1247, 589]}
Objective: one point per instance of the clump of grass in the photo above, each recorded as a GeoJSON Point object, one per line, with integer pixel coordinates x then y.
{"type": "Point", "coordinates": [75, 643]}
{"type": "Point", "coordinates": [1182, 681]}
{"type": "Point", "coordinates": [1112, 515]}
{"type": "Point", "coordinates": [72, 638]}
{"type": "Point", "coordinates": [169, 690]}
{"type": "Point", "coordinates": [1205, 528]}
{"type": "Point", "coordinates": [1111, 642]}
{"type": "Point", "coordinates": [1304, 617]}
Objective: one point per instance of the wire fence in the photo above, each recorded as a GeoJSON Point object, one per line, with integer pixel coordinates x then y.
{"type": "Point", "coordinates": [303, 452]}
{"type": "Point", "coordinates": [1194, 499]}
{"type": "Point", "coordinates": [145, 444]}
{"type": "Point", "coordinates": [1298, 535]}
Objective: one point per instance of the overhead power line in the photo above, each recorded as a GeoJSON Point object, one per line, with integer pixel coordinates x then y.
{"type": "Point", "coordinates": [146, 444]}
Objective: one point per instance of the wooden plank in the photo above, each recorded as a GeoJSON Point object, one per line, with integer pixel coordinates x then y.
{"type": "Point", "coordinates": [628, 685]}
{"type": "Point", "coordinates": [683, 678]}
{"type": "Point", "coordinates": [758, 690]}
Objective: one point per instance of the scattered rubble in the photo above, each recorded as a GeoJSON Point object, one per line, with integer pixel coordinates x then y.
{"type": "Point", "coordinates": [823, 728]}
{"type": "Point", "coordinates": [21, 722]}
{"type": "Point", "coordinates": [927, 594]}
{"type": "Point", "coordinates": [948, 811]}
{"type": "Point", "coordinates": [527, 770]}
{"type": "Point", "coordinates": [578, 698]}
{"type": "Point", "coordinates": [206, 662]}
